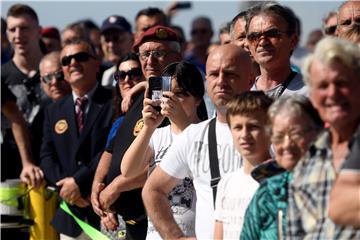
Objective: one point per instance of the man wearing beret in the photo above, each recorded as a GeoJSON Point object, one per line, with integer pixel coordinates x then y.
{"type": "Point", "coordinates": [157, 47]}
{"type": "Point", "coordinates": [116, 40]}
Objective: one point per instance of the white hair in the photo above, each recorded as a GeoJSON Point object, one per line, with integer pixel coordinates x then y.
{"type": "Point", "coordinates": [330, 50]}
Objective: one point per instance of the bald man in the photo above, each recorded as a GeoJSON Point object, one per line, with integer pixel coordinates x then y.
{"type": "Point", "coordinates": [228, 72]}
{"type": "Point", "coordinates": [52, 77]}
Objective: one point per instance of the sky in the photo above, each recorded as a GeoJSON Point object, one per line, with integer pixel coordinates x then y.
{"type": "Point", "coordinates": [61, 13]}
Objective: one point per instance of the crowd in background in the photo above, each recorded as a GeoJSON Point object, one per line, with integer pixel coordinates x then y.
{"type": "Point", "coordinates": [254, 136]}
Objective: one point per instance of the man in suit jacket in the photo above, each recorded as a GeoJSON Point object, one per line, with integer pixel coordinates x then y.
{"type": "Point", "coordinates": [75, 136]}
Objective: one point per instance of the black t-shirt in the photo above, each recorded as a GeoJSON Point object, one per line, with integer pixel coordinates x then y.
{"type": "Point", "coordinates": [31, 100]}
{"type": "Point", "coordinates": [129, 204]}
{"type": "Point", "coordinates": [27, 90]}
{"type": "Point", "coordinates": [6, 95]}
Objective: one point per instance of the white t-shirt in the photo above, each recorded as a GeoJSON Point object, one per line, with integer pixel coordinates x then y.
{"type": "Point", "coordinates": [235, 191]}
{"type": "Point", "coordinates": [189, 155]}
{"type": "Point", "coordinates": [295, 86]}
{"type": "Point", "coordinates": [182, 198]}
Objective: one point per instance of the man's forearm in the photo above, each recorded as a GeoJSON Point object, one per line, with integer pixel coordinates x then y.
{"type": "Point", "coordinates": [20, 132]}
{"type": "Point", "coordinates": [344, 203]}
{"type": "Point", "coordinates": [158, 209]}
{"type": "Point", "coordinates": [103, 167]}
{"type": "Point", "coordinates": [122, 184]}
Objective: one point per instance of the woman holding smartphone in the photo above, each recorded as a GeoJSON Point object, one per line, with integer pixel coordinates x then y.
{"type": "Point", "coordinates": [181, 106]}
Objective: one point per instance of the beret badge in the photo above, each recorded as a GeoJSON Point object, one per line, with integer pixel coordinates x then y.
{"type": "Point", "coordinates": [161, 33]}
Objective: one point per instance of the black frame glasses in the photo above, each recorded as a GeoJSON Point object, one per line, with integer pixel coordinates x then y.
{"type": "Point", "coordinates": [59, 76]}
{"type": "Point", "coordinates": [269, 34]}
{"type": "Point", "coordinates": [79, 57]}
{"type": "Point", "coordinates": [132, 73]}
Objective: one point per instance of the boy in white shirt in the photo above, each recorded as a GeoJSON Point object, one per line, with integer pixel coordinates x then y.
{"type": "Point", "coordinates": [248, 120]}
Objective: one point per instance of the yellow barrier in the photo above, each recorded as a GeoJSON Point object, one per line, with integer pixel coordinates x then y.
{"type": "Point", "coordinates": [43, 204]}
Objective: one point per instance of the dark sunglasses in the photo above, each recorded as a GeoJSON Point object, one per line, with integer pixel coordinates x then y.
{"type": "Point", "coordinates": [79, 57]}
{"type": "Point", "coordinates": [272, 33]}
{"type": "Point", "coordinates": [132, 73]}
{"type": "Point", "coordinates": [199, 31]}
{"type": "Point", "coordinates": [59, 76]}
{"type": "Point", "coordinates": [330, 30]}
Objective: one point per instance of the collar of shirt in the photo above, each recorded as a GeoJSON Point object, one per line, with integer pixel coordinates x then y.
{"type": "Point", "coordinates": [88, 95]}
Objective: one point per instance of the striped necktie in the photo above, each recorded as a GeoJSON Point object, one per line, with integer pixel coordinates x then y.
{"type": "Point", "coordinates": [80, 112]}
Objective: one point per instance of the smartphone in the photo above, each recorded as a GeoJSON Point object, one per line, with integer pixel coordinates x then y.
{"type": "Point", "coordinates": [183, 5]}
{"type": "Point", "coordinates": [158, 85]}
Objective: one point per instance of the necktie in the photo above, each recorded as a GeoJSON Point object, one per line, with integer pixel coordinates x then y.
{"type": "Point", "coordinates": [80, 112]}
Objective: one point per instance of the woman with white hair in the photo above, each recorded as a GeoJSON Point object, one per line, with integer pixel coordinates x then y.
{"type": "Point", "coordinates": [294, 125]}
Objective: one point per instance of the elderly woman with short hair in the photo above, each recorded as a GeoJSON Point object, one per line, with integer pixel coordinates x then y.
{"type": "Point", "coordinates": [294, 125]}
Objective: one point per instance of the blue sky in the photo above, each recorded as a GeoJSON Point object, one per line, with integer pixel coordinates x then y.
{"type": "Point", "coordinates": [61, 13]}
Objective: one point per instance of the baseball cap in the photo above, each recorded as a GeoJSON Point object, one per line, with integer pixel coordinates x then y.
{"type": "Point", "coordinates": [116, 22]}
{"type": "Point", "coordinates": [157, 32]}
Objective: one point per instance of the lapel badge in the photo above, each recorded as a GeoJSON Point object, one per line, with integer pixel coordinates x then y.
{"type": "Point", "coordinates": [138, 126]}
{"type": "Point", "coordinates": [61, 126]}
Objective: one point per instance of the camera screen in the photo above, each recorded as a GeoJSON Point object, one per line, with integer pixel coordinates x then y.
{"type": "Point", "coordinates": [158, 85]}
{"type": "Point", "coordinates": [166, 84]}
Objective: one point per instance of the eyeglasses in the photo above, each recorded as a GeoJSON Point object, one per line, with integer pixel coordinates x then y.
{"type": "Point", "coordinates": [295, 135]}
{"type": "Point", "coordinates": [156, 54]}
{"type": "Point", "coordinates": [134, 73]}
{"type": "Point", "coordinates": [79, 57]}
{"type": "Point", "coordinates": [330, 30]}
{"type": "Point", "coordinates": [59, 76]}
{"type": "Point", "coordinates": [272, 33]}
{"type": "Point", "coordinates": [199, 31]}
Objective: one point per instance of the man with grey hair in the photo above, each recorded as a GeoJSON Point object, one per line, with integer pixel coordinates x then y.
{"type": "Point", "coordinates": [157, 47]}
{"type": "Point", "coordinates": [348, 15]}
{"type": "Point", "coordinates": [75, 131]}
{"type": "Point", "coordinates": [271, 37]}
{"type": "Point", "coordinates": [332, 75]}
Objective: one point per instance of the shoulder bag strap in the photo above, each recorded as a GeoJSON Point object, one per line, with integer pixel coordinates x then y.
{"type": "Point", "coordinates": [213, 157]}
{"type": "Point", "coordinates": [286, 83]}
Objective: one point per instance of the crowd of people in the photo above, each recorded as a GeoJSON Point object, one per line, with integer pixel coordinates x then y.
{"type": "Point", "coordinates": [251, 137]}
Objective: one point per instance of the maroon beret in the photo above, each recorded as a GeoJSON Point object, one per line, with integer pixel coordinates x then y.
{"type": "Point", "coordinates": [157, 32]}
{"type": "Point", "coordinates": [50, 32]}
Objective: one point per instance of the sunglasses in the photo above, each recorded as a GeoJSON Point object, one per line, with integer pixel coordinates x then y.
{"type": "Point", "coordinates": [79, 57]}
{"type": "Point", "coordinates": [330, 30]}
{"type": "Point", "coordinates": [134, 73]}
{"type": "Point", "coordinates": [269, 34]}
{"type": "Point", "coordinates": [58, 75]}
